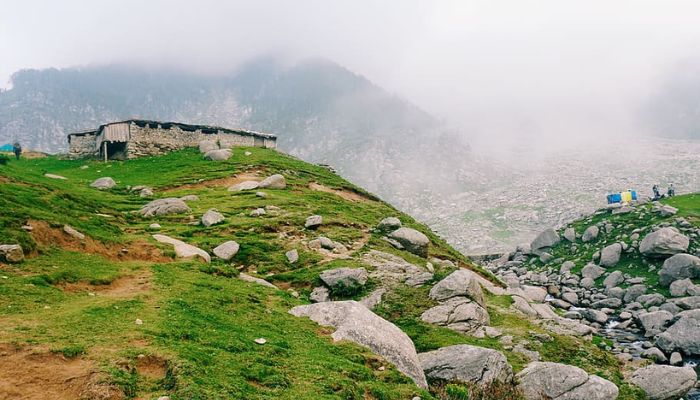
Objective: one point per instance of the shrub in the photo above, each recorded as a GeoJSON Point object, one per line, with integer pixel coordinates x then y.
{"type": "Point", "coordinates": [4, 159]}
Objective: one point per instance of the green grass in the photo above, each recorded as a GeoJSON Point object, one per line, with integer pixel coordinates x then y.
{"type": "Point", "coordinates": [199, 317]}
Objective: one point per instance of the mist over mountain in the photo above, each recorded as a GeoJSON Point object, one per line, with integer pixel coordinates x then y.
{"type": "Point", "coordinates": [673, 110]}
{"type": "Point", "coordinates": [320, 111]}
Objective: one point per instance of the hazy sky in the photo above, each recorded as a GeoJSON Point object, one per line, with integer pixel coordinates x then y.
{"type": "Point", "coordinates": [531, 67]}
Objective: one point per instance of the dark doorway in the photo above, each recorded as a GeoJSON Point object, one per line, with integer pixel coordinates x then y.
{"type": "Point", "coordinates": [116, 150]}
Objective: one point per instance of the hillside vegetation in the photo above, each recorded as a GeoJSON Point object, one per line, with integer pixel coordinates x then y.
{"type": "Point", "coordinates": [115, 314]}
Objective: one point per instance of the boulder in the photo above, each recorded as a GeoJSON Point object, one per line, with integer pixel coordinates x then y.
{"type": "Point", "coordinates": [688, 303]}
{"type": "Point", "coordinates": [218, 154]}
{"type": "Point", "coordinates": [559, 381]}
{"type": "Point", "coordinates": [458, 313]}
{"type": "Point", "coordinates": [313, 222]}
{"type": "Point", "coordinates": [190, 197]}
{"type": "Point", "coordinates": [682, 336]}
{"type": "Point", "coordinates": [679, 266]}
{"type": "Point", "coordinates": [594, 316]}
{"type": "Point", "coordinates": [615, 278]}
{"type": "Point", "coordinates": [570, 297]}
{"type": "Point", "coordinates": [570, 234]}
{"type": "Point", "coordinates": [164, 207]}
{"type": "Point", "coordinates": [654, 354]}
{"type": "Point", "coordinates": [355, 323]}
{"type": "Point", "coordinates": [182, 249]}
{"type": "Point", "coordinates": [682, 287]}
{"type": "Point", "coordinates": [212, 217]}
{"type": "Point", "coordinates": [664, 382]}
{"type": "Point", "coordinates": [610, 255]}
{"type": "Point", "coordinates": [11, 253]}
{"type": "Point", "coordinates": [467, 364]}
{"type": "Point", "coordinates": [70, 231]}
{"type": "Point", "coordinates": [241, 186]}
{"type": "Point", "coordinates": [206, 146]}
{"type": "Point", "coordinates": [103, 183]}
{"type": "Point", "coordinates": [412, 240]}
{"type": "Point", "coordinates": [654, 322]}
{"type": "Point", "coordinates": [226, 250]}
{"type": "Point", "coordinates": [633, 292]}
{"type": "Point", "coordinates": [390, 269]}
{"type": "Point", "coordinates": [345, 277]}
{"type": "Point", "coordinates": [248, 278]}
{"type": "Point", "coordinates": [292, 256]}
{"type": "Point", "coordinates": [547, 238]}
{"type": "Point", "coordinates": [320, 294]}
{"type": "Point", "coordinates": [461, 282]}
{"type": "Point", "coordinates": [663, 243]}
{"type": "Point", "coordinates": [592, 271]}
{"type": "Point", "coordinates": [276, 181]}
{"type": "Point", "coordinates": [590, 234]}
{"type": "Point", "coordinates": [566, 266]}
{"type": "Point", "coordinates": [389, 224]}
{"type": "Point", "coordinates": [258, 212]}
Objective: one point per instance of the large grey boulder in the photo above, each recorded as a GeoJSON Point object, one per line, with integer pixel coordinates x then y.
{"type": "Point", "coordinates": [389, 224]}
{"type": "Point", "coordinates": [11, 253]}
{"type": "Point", "coordinates": [664, 382]}
{"type": "Point", "coordinates": [610, 255]}
{"type": "Point", "coordinates": [345, 277]}
{"type": "Point", "coordinates": [592, 271]}
{"type": "Point", "coordinates": [390, 269]}
{"type": "Point", "coordinates": [615, 278]}
{"type": "Point", "coordinates": [226, 250]}
{"type": "Point", "coordinates": [550, 380]}
{"type": "Point", "coordinates": [594, 315]}
{"type": "Point", "coordinates": [218, 154]}
{"type": "Point", "coordinates": [683, 287]}
{"type": "Point", "coordinates": [590, 234]}
{"type": "Point", "coordinates": [313, 221]}
{"type": "Point", "coordinates": [570, 234]}
{"type": "Point", "coordinates": [679, 266]}
{"type": "Point", "coordinates": [654, 322]}
{"type": "Point", "coordinates": [461, 282]}
{"type": "Point", "coordinates": [412, 240]}
{"type": "Point", "coordinates": [103, 183]}
{"type": "Point", "coordinates": [212, 217]}
{"type": "Point", "coordinates": [276, 181]}
{"type": "Point", "coordinates": [682, 336]}
{"type": "Point", "coordinates": [458, 313]}
{"type": "Point", "coordinates": [165, 206]}
{"type": "Point", "coordinates": [663, 243]}
{"type": "Point", "coordinates": [633, 292]}
{"type": "Point", "coordinates": [320, 294]}
{"type": "Point", "coordinates": [356, 323]}
{"type": "Point", "coordinates": [546, 238]}
{"type": "Point", "coordinates": [182, 249]}
{"type": "Point", "coordinates": [468, 364]}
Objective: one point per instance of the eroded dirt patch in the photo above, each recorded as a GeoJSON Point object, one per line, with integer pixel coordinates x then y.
{"type": "Point", "coordinates": [123, 287]}
{"type": "Point", "coordinates": [37, 374]}
{"type": "Point", "coordinates": [139, 250]}
{"type": "Point", "coordinates": [152, 367]}
{"type": "Point", "coordinates": [252, 175]}
{"type": "Point", "coordinates": [344, 193]}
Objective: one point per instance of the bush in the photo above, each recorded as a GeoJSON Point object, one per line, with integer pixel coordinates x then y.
{"type": "Point", "coordinates": [4, 159]}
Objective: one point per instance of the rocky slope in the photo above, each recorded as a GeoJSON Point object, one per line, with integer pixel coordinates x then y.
{"type": "Point", "coordinates": [261, 276]}
{"type": "Point", "coordinates": [629, 272]}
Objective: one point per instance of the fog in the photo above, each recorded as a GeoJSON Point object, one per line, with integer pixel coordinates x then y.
{"type": "Point", "coordinates": [539, 71]}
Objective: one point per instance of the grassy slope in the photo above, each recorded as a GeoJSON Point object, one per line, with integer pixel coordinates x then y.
{"type": "Point", "coordinates": [196, 316]}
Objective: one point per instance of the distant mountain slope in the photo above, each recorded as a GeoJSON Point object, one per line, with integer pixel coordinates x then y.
{"type": "Point", "coordinates": [320, 111]}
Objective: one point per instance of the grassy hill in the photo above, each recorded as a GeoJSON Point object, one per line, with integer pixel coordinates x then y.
{"type": "Point", "coordinates": [116, 315]}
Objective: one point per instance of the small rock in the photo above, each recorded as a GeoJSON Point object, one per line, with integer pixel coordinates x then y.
{"type": "Point", "coordinates": [260, 340]}
{"type": "Point", "coordinates": [138, 321]}
{"type": "Point", "coordinates": [313, 222]}
{"type": "Point", "coordinates": [227, 250]}
{"type": "Point", "coordinates": [276, 181]}
{"type": "Point", "coordinates": [103, 183]}
{"type": "Point", "coordinates": [72, 232]}
{"type": "Point", "coordinates": [292, 256]}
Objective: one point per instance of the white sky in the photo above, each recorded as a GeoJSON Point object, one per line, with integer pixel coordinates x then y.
{"type": "Point", "coordinates": [526, 66]}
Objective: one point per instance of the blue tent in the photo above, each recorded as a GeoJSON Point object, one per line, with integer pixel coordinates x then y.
{"type": "Point", "coordinates": [6, 147]}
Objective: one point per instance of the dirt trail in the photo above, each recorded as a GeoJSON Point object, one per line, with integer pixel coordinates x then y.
{"type": "Point", "coordinates": [39, 374]}
{"type": "Point", "coordinates": [252, 175]}
{"type": "Point", "coordinates": [344, 193]}
{"type": "Point", "coordinates": [139, 250]}
{"type": "Point", "coordinates": [123, 287]}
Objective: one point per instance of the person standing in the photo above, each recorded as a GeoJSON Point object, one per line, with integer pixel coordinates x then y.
{"type": "Point", "coordinates": [17, 148]}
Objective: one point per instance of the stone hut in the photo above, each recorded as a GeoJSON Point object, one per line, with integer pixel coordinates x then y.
{"type": "Point", "coordinates": [135, 138]}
